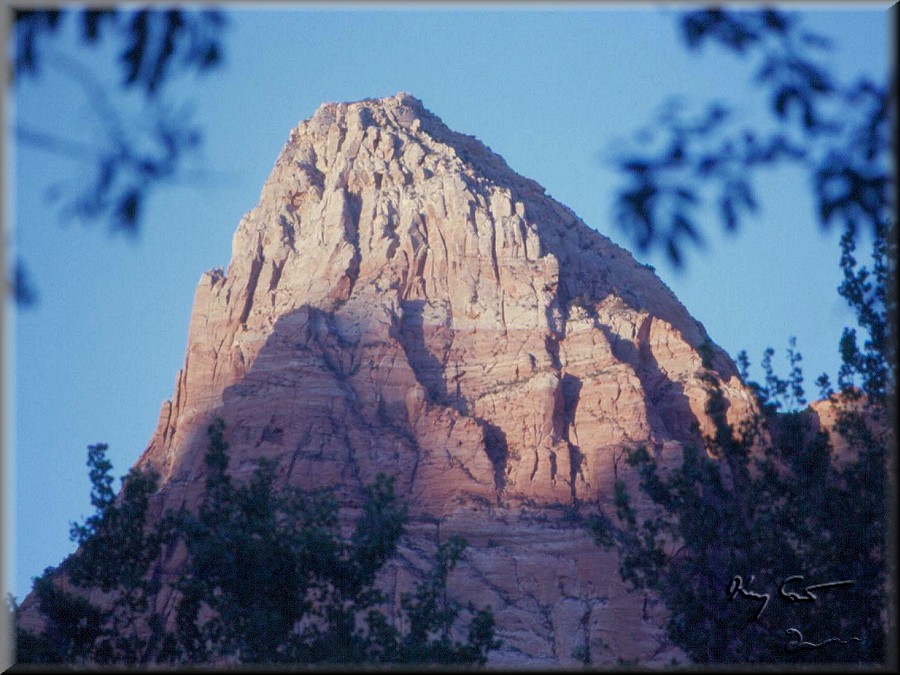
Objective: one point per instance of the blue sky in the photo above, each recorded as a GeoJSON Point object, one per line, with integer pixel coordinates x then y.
{"type": "Point", "coordinates": [548, 89]}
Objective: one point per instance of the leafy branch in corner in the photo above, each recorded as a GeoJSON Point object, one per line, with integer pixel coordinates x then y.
{"type": "Point", "coordinates": [837, 132]}
{"type": "Point", "coordinates": [145, 136]}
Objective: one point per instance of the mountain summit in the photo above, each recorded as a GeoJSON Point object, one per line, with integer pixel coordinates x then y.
{"type": "Point", "coordinates": [398, 288]}
{"type": "Point", "coordinates": [401, 301]}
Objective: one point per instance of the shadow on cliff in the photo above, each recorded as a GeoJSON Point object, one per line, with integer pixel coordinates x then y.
{"type": "Point", "coordinates": [306, 370]}
{"type": "Point", "coordinates": [431, 372]}
{"type": "Point", "coordinates": [428, 368]}
{"type": "Point", "coordinates": [668, 408]}
{"type": "Point", "coordinates": [571, 396]}
{"type": "Point", "coordinates": [584, 279]}
{"type": "Point", "coordinates": [304, 348]}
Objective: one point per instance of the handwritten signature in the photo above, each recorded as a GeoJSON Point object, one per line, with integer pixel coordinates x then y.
{"type": "Point", "coordinates": [736, 587]}
{"type": "Point", "coordinates": [796, 597]}
{"type": "Point", "coordinates": [797, 643]}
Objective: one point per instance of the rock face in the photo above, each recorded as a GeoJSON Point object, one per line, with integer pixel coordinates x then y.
{"type": "Point", "coordinates": [401, 301]}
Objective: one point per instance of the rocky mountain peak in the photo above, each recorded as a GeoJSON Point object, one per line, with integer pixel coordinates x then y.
{"type": "Point", "coordinates": [403, 118]}
{"type": "Point", "coordinates": [382, 236]}
{"type": "Point", "coordinates": [401, 301]}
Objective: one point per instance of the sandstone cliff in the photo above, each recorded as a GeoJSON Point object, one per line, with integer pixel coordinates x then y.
{"type": "Point", "coordinates": [401, 301]}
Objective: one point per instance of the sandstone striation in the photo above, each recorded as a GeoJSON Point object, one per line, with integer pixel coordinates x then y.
{"type": "Point", "coordinates": [401, 301]}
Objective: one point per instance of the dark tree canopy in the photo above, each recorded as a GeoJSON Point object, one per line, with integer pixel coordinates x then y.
{"type": "Point", "coordinates": [731, 537]}
{"type": "Point", "coordinates": [269, 580]}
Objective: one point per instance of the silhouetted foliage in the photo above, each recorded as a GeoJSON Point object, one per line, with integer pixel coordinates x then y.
{"type": "Point", "coordinates": [269, 579]}
{"type": "Point", "coordinates": [739, 519]}
{"type": "Point", "coordinates": [766, 501]}
{"type": "Point", "coordinates": [872, 295]}
{"type": "Point", "coordinates": [116, 557]}
{"type": "Point", "coordinates": [769, 509]}
{"type": "Point", "coordinates": [154, 42]}
{"type": "Point", "coordinates": [143, 144]}
{"type": "Point", "coordinates": [837, 132]}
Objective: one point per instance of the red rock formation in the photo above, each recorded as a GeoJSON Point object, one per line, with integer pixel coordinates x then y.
{"type": "Point", "coordinates": [401, 301]}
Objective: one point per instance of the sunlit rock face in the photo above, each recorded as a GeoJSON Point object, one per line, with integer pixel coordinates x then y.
{"type": "Point", "coordinates": [401, 301]}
